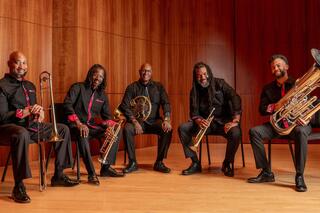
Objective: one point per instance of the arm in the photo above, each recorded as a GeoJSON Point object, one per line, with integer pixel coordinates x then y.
{"type": "Point", "coordinates": [164, 100]}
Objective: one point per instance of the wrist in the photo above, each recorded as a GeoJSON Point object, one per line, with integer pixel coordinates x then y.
{"type": "Point", "coordinates": [167, 119]}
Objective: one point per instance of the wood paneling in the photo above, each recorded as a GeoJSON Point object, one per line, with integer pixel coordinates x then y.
{"type": "Point", "coordinates": [236, 38]}
{"type": "Point", "coordinates": [26, 26]}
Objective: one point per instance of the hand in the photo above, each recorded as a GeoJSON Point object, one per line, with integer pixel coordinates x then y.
{"type": "Point", "coordinates": [202, 123]}
{"type": "Point", "coordinates": [41, 116]}
{"type": "Point", "coordinates": [229, 125]}
{"type": "Point", "coordinates": [137, 127]}
{"type": "Point", "coordinates": [84, 130]}
{"type": "Point", "coordinates": [166, 126]}
{"type": "Point", "coordinates": [36, 109]}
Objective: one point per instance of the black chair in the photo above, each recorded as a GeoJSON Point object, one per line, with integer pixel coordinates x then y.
{"type": "Point", "coordinates": [228, 111]}
{"type": "Point", "coordinates": [208, 150]}
{"type": "Point", "coordinates": [315, 123]}
{"type": "Point", "coordinates": [41, 169]}
{"type": "Point", "coordinates": [62, 118]}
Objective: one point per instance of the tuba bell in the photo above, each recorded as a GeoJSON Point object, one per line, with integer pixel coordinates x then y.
{"type": "Point", "coordinates": [296, 104]}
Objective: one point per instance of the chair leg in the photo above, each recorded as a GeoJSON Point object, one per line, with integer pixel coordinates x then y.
{"type": "Point", "coordinates": [42, 170]}
{"type": "Point", "coordinates": [292, 154]}
{"type": "Point", "coordinates": [242, 153]}
{"type": "Point", "coordinates": [269, 153]}
{"type": "Point", "coordinates": [6, 167]}
{"type": "Point", "coordinates": [208, 149]}
{"type": "Point", "coordinates": [200, 153]}
{"type": "Point", "coordinates": [78, 162]}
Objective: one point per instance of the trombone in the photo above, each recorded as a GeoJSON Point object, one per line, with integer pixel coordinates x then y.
{"type": "Point", "coordinates": [46, 78]}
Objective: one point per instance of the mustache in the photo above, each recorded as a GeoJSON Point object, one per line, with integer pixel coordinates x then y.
{"type": "Point", "coordinates": [281, 74]}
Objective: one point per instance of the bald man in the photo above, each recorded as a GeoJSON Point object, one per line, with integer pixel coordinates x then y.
{"type": "Point", "coordinates": [154, 124]}
{"type": "Point", "coordinates": [21, 123]}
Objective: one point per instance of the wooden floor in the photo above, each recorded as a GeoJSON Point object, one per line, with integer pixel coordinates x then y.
{"type": "Point", "coordinates": [149, 191]}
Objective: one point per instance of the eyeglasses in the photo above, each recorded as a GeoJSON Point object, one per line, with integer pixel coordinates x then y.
{"type": "Point", "coordinates": [146, 70]}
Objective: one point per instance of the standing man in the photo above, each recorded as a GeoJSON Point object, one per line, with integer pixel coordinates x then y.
{"type": "Point", "coordinates": [84, 104]}
{"type": "Point", "coordinates": [155, 92]}
{"type": "Point", "coordinates": [207, 93]}
{"type": "Point", "coordinates": [269, 98]}
{"type": "Point", "coordinates": [21, 123]}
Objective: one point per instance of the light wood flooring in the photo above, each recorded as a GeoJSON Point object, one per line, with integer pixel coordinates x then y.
{"type": "Point", "coordinates": [154, 192]}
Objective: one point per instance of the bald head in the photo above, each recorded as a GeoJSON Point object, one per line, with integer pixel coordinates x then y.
{"type": "Point", "coordinates": [145, 73]}
{"type": "Point", "coordinates": [17, 64]}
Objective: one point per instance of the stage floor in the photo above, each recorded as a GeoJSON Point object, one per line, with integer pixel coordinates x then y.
{"type": "Point", "coordinates": [154, 192]}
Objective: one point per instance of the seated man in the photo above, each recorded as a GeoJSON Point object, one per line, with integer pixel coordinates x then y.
{"type": "Point", "coordinates": [156, 94]}
{"type": "Point", "coordinates": [207, 93]}
{"type": "Point", "coordinates": [269, 98]}
{"type": "Point", "coordinates": [84, 104]}
{"type": "Point", "coordinates": [21, 121]}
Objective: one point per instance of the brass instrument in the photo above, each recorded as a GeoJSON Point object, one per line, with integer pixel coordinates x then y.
{"type": "Point", "coordinates": [46, 77]}
{"type": "Point", "coordinates": [202, 131]}
{"type": "Point", "coordinates": [111, 139]}
{"type": "Point", "coordinates": [141, 107]}
{"type": "Point", "coordinates": [296, 104]}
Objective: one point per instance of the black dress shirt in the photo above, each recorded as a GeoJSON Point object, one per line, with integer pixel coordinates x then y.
{"type": "Point", "coordinates": [157, 94]}
{"type": "Point", "coordinates": [12, 98]}
{"type": "Point", "coordinates": [227, 102]}
{"type": "Point", "coordinates": [77, 102]}
{"type": "Point", "coordinates": [271, 94]}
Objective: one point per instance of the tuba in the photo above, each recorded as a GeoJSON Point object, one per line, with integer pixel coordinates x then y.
{"type": "Point", "coordinates": [201, 132]}
{"type": "Point", "coordinates": [296, 104]}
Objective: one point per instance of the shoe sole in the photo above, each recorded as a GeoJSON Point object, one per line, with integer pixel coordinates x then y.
{"type": "Point", "coordinates": [264, 181]}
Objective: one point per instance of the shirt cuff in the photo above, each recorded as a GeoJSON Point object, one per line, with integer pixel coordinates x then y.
{"type": "Point", "coordinates": [19, 113]}
{"type": "Point", "coordinates": [270, 108]}
{"type": "Point", "coordinates": [73, 117]}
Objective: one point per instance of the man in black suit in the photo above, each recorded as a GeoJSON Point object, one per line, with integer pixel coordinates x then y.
{"type": "Point", "coordinates": [84, 104]}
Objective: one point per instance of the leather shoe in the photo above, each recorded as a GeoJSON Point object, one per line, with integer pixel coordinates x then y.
{"type": "Point", "coordinates": [64, 180]}
{"type": "Point", "coordinates": [227, 169]}
{"type": "Point", "coordinates": [300, 185]}
{"type": "Point", "coordinates": [110, 172]}
{"type": "Point", "coordinates": [132, 166]}
{"type": "Point", "coordinates": [193, 168]}
{"type": "Point", "coordinates": [160, 167]}
{"type": "Point", "coordinates": [264, 176]}
{"type": "Point", "coordinates": [93, 179]}
{"type": "Point", "coordinates": [20, 195]}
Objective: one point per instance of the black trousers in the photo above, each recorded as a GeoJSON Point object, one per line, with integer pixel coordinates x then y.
{"type": "Point", "coordinates": [265, 132]}
{"type": "Point", "coordinates": [84, 147]}
{"type": "Point", "coordinates": [19, 138]}
{"type": "Point", "coordinates": [155, 128]}
{"type": "Point", "coordinates": [189, 129]}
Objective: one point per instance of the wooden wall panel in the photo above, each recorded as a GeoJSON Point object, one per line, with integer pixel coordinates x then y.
{"type": "Point", "coordinates": [26, 26]}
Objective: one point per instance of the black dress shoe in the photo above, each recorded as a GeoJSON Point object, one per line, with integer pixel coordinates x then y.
{"type": "Point", "coordinates": [20, 195]}
{"type": "Point", "coordinates": [227, 169]}
{"type": "Point", "coordinates": [93, 179]}
{"type": "Point", "coordinates": [110, 172]}
{"type": "Point", "coordinates": [264, 176]}
{"type": "Point", "coordinates": [64, 180]}
{"type": "Point", "coordinates": [193, 168]}
{"type": "Point", "coordinates": [160, 167]}
{"type": "Point", "coordinates": [132, 166]}
{"type": "Point", "coordinates": [300, 185]}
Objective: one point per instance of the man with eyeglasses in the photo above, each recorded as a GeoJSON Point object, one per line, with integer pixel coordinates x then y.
{"type": "Point", "coordinates": [154, 124]}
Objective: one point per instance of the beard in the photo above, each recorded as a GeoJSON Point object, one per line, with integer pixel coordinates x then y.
{"type": "Point", "coordinates": [204, 84]}
{"type": "Point", "coordinates": [280, 74]}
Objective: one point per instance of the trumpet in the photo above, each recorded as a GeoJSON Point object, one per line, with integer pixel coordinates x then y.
{"type": "Point", "coordinates": [111, 138]}
{"type": "Point", "coordinates": [201, 132]}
